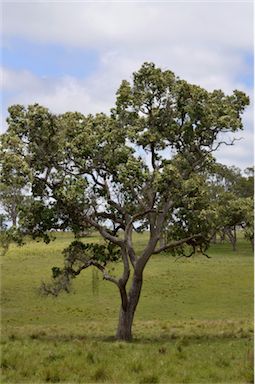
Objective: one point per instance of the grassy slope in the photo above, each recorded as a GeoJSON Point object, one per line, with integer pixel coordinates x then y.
{"type": "Point", "coordinates": [193, 322]}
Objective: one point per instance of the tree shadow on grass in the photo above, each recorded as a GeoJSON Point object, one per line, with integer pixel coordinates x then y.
{"type": "Point", "coordinates": [150, 339]}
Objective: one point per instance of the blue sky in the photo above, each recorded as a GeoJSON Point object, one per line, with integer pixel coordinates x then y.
{"type": "Point", "coordinates": [73, 55]}
{"type": "Point", "coordinates": [45, 59]}
{"type": "Point", "coordinates": [245, 74]}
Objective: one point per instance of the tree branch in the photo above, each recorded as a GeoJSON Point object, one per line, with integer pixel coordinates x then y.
{"type": "Point", "coordinates": [110, 200]}
{"type": "Point", "coordinates": [112, 217]}
{"type": "Point", "coordinates": [175, 244]}
{"type": "Point", "coordinates": [103, 231]}
{"type": "Point", "coordinates": [137, 216]}
{"type": "Point", "coordinates": [93, 263]}
{"type": "Point", "coordinates": [225, 143]}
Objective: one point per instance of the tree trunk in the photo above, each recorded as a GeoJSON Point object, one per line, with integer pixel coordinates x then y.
{"type": "Point", "coordinates": [234, 240]}
{"type": "Point", "coordinates": [14, 219]}
{"type": "Point", "coordinates": [214, 239]}
{"type": "Point", "coordinates": [223, 236]}
{"type": "Point", "coordinates": [126, 316]}
{"type": "Point", "coordinates": [231, 233]}
{"type": "Point", "coordinates": [124, 331]}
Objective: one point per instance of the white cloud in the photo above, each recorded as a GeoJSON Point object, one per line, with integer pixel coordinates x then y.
{"type": "Point", "coordinates": [200, 41]}
{"type": "Point", "coordinates": [19, 80]}
{"type": "Point", "coordinates": [240, 154]}
{"type": "Point", "coordinates": [106, 24]}
{"type": "Point", "coordinates": [60, 95]}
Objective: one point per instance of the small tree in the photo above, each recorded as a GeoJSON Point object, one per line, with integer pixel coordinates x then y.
{"type": "Point", "coordinates": [236, 213]}
{"type": "Point", "coordinates": [142, 166]}
{"type": "Point", "coordinates": [4, 238]}
{"type": "Point", "coordinates": [233, 193]}
{"type": "Point", "coordinates": [8, 235]}
{"type": "Point", "coordinates": [11, 200]}
{"type": "Point", "coordinates": [14, 178]}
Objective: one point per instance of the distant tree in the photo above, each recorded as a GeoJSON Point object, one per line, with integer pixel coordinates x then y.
{"type": "Point", "coordinates": [11, 199]}
{"type": "Point", "coordinates": [233, 192]}
{"type": "Point", "coordinates": [14, 178]}
{"type": "Point", "coordinates": [245, 186]}
{"type": "Point", "coordinates": [3, 224]}
{"type": "Point", "coordinates": [8, 235]}
{"type": "Point", "coordinates": [248, 225]}
{"type": "Point", "coordinates": [143, 165]}
{"type": "Point", "coordinates": [4, 243]}
{"type": "Point", "coordinates": [231, 179]}
{"type": "Point", "coordinates": [236, 212]}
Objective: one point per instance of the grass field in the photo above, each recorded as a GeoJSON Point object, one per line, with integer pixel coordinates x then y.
{"type": "Point", "coordinates": [194, 322]}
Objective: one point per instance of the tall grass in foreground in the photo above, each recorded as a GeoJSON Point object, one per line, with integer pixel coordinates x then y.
{"type": "Point", "coordinates": [194, 323]}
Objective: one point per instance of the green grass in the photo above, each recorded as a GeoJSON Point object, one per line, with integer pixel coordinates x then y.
{"type": "Point", "coordinates": [194, 322]}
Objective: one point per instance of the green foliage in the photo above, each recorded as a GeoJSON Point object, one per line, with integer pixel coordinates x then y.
{"type": "Point", "coordinates": [230, 179]}
{"type": "Point", "coordinates": [37, 218]}
{"type": "Point", "coordinates": [232, 195]}
{"type": "Point", "coordinates": [103, 253]}
{"type": "Point", "coordinates": [161, 109]}
{"type": "Point", "coordinates": [3, 219]}
{"type": "Point", "coordinates": [8, 235]}
{"type": "Point", "coordinates": [77, 257]}
{"type": "Point", "coordinates": [55, 272]}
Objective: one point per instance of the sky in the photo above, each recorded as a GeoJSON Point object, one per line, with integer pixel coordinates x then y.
{"type": "Point", "coordinates": [72, 55]}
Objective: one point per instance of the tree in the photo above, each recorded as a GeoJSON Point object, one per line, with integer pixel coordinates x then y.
{"type": "Point", "coordinates": [4, 238]}
{"type": "Point", "coordinates": [142, 166]}
{"type": "Point", "coordinates": [236, 212]}
{"type": "Point", "coordinates": [234, 193]}
{"type": "Point", "coordinates": [8, 235]}
{"type": "Point", "coordinates": [14, 180]}
{"type": "Point", "coordinates": [230, 179]}
{"type": "Point", "coordinates": [248, 225]}
{"type": "Point", "coordinates": [11, 199]}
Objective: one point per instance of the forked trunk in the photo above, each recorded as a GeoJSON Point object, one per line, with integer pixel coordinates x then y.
{"type": "Point", "coordinates": [126, 316]}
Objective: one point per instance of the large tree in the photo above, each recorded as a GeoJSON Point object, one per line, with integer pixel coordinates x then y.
{"type": "Point", "coordinates": [141, 167]}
